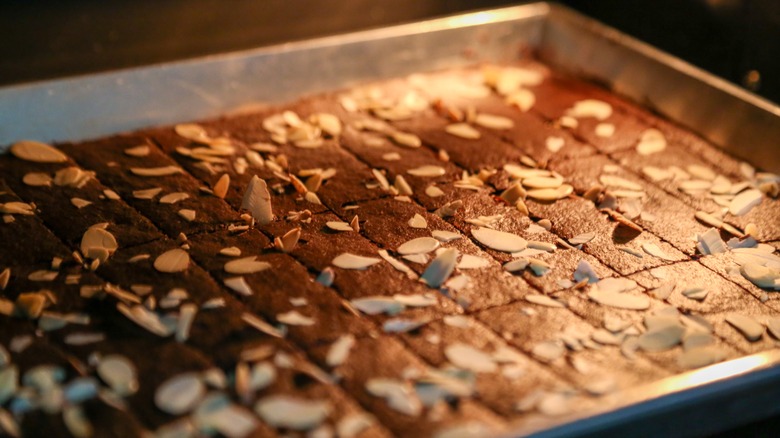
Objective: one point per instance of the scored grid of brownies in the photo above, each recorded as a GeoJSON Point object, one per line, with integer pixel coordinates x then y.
{"type": "Point", "coordinates": [372, 351]}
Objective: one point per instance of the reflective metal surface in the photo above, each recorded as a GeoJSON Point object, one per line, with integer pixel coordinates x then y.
{"type": "Point", "coordinates": [714, 398]}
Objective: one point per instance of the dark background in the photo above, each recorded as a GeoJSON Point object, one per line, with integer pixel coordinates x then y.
{"type": "Point", "coordinates": [738, 40]}
{"type": "Point", "coordinates": [46, 38]}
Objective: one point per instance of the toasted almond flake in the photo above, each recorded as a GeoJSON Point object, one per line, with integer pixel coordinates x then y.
{"type": "Point", "coordinates": [618, 182]}
{"type": "Point", "coordinates": [338, 226]}
{"type": "Point", "coordinates": [418, 221]}
{"type": "Point", "coordinates": [499, 240]}
{"type": "Point", "coordinates": [351, 261]}
{"type": "Point", "coordinates": [37, 152]}
{"type": "Point", "coordinates": [288, 242]}
{"type": "Point", "coordinates": [37, 179]}
{"type": "Point", "coordinates": [469, 358]}
{"type": "Point", "coordinates": [257, 200]}
{"type": "Point", "coordinates": [543, 300]}
{"type": "Point", "coordinates": [187, 314]}
{"type": "Point", "coordinates": [605, 130]}
{"type": "Point", "coordinates": [146, 193]}
{"type": "Point", "coordinates": [173, 198]}
{"type": "Point", "coordinates": [261, 325]}
{"type": "Point", "coordinates": [516, 265]}
{"type": "Point", "coordinates": [138, 151]}
{"type": "Point", "coordinates": [246, 265]}
{"type": "Point", "coordinates": [391, 156]}
{"type": "Point", "coordinates": [656, 251]}
{"type": "Point", "coordinates": [221, 187]}
{"type": "Point", "coordinates": [701, 356]}
{"type": "Point", "coordinates": [745, 201]}
{"type": "Point", "coordinates": [406, 139]}
{"type": "Point", "coordinates": [708, 219]}
{"type": "Point", "coordinates": [384, 184]}
{"type": "Point", "coordinates": [293, 317]}
{"type": "Point", "coordinates": [420, 245]}
{"type": "Point", "coordinates": [377, 305]}
{"type": "Point", "coordinates": [180, 394]}
{"type": "Point", "coordinates": [138, 258]}
{"type": "Point", "coordinates": [291, 412]}
{"type": "Point", "coordinates": [434, 192]}
{"type": "Point", "coordinates": [5, 276]}
{"type": "Point", "coordinates": [494, 122]}
{"type": "Point", "coordinates": [651, 142]}
{"type": "Point", "coordinates": [399, 396]}
{"type": "Point", "coordinates": [79, 203]}
{"type": "Point", "coordinates": [554, 144]}
{"type": "Point", "coordinates": [329, 123]}
{"type": "Point", "coordinates": [751, 329]}
{"type": "Point", "coordinates": [445, 236]}
{"type": "Point", "coordinates": [662, 338]}
{"type": "Point", "coordinates": [695, 293]}
{"type": "Point", "coordinates": [98, 243]}
{"type": "Point", "coordinates": [462, 130]}
{"type": "Point", "coordinates": [17, 208]}
{"type": "Point", "coordinates": [582, 239]}
{"type": "Point", "coordinates": [619, 300]}
{"type": "Point", "coordinates": [193, 132]}
{"type": "Point", "coordinates": [441, 268]}
{"type": "Point", "coordinates": [548, 351]}
{"type": "Point", "coordinates": [664, 291]}
{"type": "Point", "coordinates": [543, 182]}
{"type": "Point", "coordinates": [239, 285]}
{"type": "Point", "coordinates": [172, 261]}
{"type": "Point", "coordinates": [339, 350]}
{"type": "Point", "coordinates": [468, 261]}
{"type": "Point", "coordinates": [523, 99]}
{"type": "Point", "coordinates": [397, 264]}
{"type": "Point", "coordinates": [427, 171]}
{"type": "Point", "coordinates": [156, 171]}
{"type": "Point", "coordinates": [187, 214]}
{"type": "Point", "coordinates": [590, 108]}
{"type": "Point", "coordinates": [551, 194]}
{"type": "Point", "coordinates": [145, 319]}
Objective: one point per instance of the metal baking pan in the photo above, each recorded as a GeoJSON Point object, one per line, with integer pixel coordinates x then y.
{"type": "Point", "coordinates": [710, 399]}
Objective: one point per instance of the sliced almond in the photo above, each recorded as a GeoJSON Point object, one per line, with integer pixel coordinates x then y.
{"type": "Point", "coordinates": [146, 193]}
{"type": "Point", "coordinates": [751, 329]}
{"type": "Point", "coordinates": [37, 152]}
{"type": "Point", "coordinates": [172, 261]}
{"type": "Point", "coordinates": [172, 198]}
{"type": "Point", "coordinates": [221, 187]}
{"type": "Point", "coordinates": [590, 108]}
{"type": "Point", "coordinates": [338, 226]}
{"type": "Point", "coordinates": [427, 171]}
{"type": "Point", "coordinates": [37, 179]}
{"type": "Point", "coordinates": [651, 142]}
{"type": "Point", "coordinates": [138, 151]}
{"type": "Point", "coordinates": [239, 284]}
{"type": "Point", "coordinates": [499, 240]}
{"type": "Point", "coordinates": [187, 214]}
{"type": "Point", "coordinates": [246, 265]}
{"type": "Point", "coordinates": [257, 200]}
{"type": "Point", "coordinates": [494, 122]}
{"type": "Point", "coordinates": [79, 202]}
{"type": "Point", "coordinates": [288, 242]}
{"type": "Point", "coordinates": [156, 171]}
{"type": "Point", "coordinates": [418, 221]}
{"type": "Point", "coordinates": [463, 130]}
{"type": "Point", "coordinates": [745, 201]}
{"type": "Point", "coordinates": [543, 300]}
{"type": "Point", "coordinates": [619, 300]}
{"type": "Point", "coordinates": [434, 192]}
{"type": "Point", "coordinates": [5, 276]}
{"type": "Point", "coordinates": [420, 245]}
{"type": "Point", "coordinates": [551, 194]}
{"type": "Point", "coordinates": [406, 139]}
{"type": "Point", "coordinates": [351, 261]}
